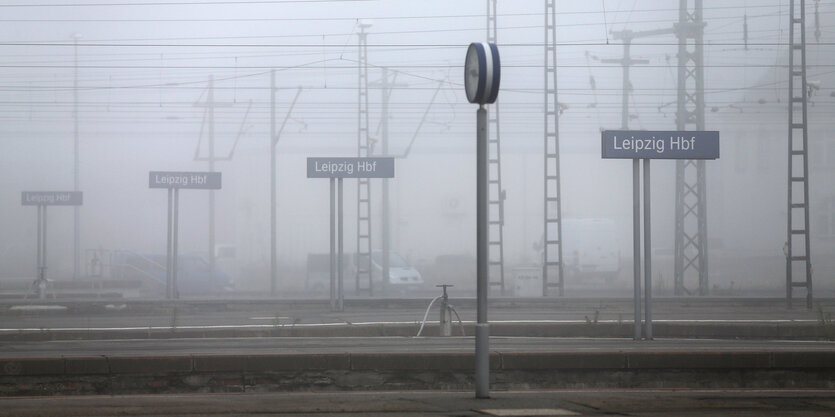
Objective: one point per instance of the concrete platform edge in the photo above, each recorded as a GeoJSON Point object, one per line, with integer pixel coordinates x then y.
{"type": "Point", "coordinates": [68, 375]}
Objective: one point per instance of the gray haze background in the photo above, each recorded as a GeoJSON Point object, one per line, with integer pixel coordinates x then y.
{"type": "Point", "coordinates": [142, 66]}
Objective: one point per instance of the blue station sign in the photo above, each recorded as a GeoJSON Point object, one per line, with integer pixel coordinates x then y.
{"type": "Point", "coordinates": [660, 144]}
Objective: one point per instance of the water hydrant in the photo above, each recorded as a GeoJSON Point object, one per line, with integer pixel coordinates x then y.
{"type": "Point", "coordinates": [446, 313]}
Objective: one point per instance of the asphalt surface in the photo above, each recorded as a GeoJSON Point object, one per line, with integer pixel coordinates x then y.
{"type": "Point", "coordinates": [637, 403]}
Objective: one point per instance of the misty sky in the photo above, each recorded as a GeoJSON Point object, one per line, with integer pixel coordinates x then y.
{"type": "Point", "coordinates": [143, 69]}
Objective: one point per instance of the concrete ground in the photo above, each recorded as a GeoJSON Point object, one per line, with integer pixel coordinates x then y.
{"type": "Point", "coordinates": [99, 314]}
{"type": "Point", "coordinates": [753, 403]}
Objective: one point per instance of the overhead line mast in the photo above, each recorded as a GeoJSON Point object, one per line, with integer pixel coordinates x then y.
{"type": "Point", "coordinates": [691, 189]}
{"type": "Point", "coordinates": [552, 259]}
{"type": "Point", "coordinates": [797, 247]}
{"type": "Point", "coordinates": [364, 150]}
{"type": "Point", "coordinates": [496, 195]}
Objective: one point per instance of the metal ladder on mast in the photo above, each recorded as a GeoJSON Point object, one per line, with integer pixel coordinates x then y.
{"type": "Point", "coordinates": [797, 247]}
{"type": "Point", "coordinates": [363, 258]}
{"type": "Point", "coordinates": [495, 194]}
{"type": "Point", "coordinates": [552, 261]}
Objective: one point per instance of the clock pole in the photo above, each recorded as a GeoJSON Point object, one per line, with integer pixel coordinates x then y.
{"type": "Point", "coordinates": [482, 333]}
{"type": "Point", "coordinates": [482, 73]}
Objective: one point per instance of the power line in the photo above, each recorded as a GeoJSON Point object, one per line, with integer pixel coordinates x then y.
{"type": "Point", "coordinates": [177, 3]}
{"type": "Point", "coordinates": [272, 2]}
{"type": "Point", "coordinates": [392, 45]}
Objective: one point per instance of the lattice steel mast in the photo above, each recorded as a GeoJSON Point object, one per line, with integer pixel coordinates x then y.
{"type": "Point", "coordinates": [798, 250]}
{"type": "Point", "coordinates": [552, 261]}
{"type": "Point", "coordinates": [496, 195]}
{"type": "Point", "coordinates": [691, 190]}
{"type": "Point", "coordinates": [363, 259]}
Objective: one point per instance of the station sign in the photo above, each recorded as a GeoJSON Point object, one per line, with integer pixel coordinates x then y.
{"type": "Point", "coordinates": [179, 179]}
{"type": "Point", "coordinates": [378, 167]}
{"type": "Point", "coordinates": [660, 144]}
{"type": "Point", "coordinates": [51, 198]}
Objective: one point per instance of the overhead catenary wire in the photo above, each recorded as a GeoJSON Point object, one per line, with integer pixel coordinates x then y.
{"type": "Point", "coordinates": [185, 85]}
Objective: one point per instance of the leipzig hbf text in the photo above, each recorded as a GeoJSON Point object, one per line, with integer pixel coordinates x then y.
{"type": "Point", "coordinates": [345, 167]}
{"type": "Point", "coordinates": [674, 143]}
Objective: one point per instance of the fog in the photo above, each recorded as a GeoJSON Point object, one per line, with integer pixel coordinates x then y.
{"type": "Point", "coordinates": [141, 101]}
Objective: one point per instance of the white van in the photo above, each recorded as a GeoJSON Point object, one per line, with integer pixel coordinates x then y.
{"type": "Point", "coordinates": [401, 274]}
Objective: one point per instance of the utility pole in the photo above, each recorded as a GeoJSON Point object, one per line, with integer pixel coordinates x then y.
{"type": "Point", "coordinates": [552, 245]}
{"type": "Point", "coordinates": [385, 88]}
{"type": "Point", "coordinates": [496, 195]}
{"type": "Point", "coordinates": [210, 106]}
{"type": "Point", "coordinates": [365, 270]}
{"type": "Point", "coordinates": [626, 62]}
{"type": "Point", "coordinates": [273, 192]}
{"type": "Point", "coordinates": [385, 193]}
{"type": "Point", "coordinates": [798, 245]}
{"type": "Point", "coordinates": [691, 188]}
{"type": "Point", "coordinates": [76, 165]}
{"type": "Point", "coordinates": [817, 20]}
{"type": "Point", "coordinates": [211, 100]}
{"type": "Point", "coordinates": [274, 136]}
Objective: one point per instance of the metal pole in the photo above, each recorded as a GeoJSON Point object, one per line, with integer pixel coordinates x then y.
{"type": "Point", "coordinates": [340, 253]}
{"type": "Point", "coordinates": [334, 263]}
{"type": "Point", "coordinates": [38, 262]}
{"type": "Point", "coordinates": [482, 330]}
{"type": "Point", "coordinates": [364, 149]}
{"type": "Point", "coordinates": [552, 245]}
{"type": "Point", "coordinates": [636, 245]}
{"type": "Point", "coordinates": [42, 286]}
{"type": "Point", "coordinates": [76, 215]}
{"type": "Point", "coordinates": [789, 244]}
{"type": "Point", "coordinates": [806, 152]}
{"type": "Point", "coordinates": [211, 102]}
{"type": "Point", "coordinates": [273, 197]}
{"type": "Point", "coordinates": [627, 61]}
{"type": "Point", "coordinates": [701, 174]}
{"type": "Point", "coordinates": [175, 291]}
{"type": "Point", "coordinates": [39, 267]}
{"type": "Point", "coordinates": [385, 194]}
{"type": "Point", "coordinates": [647, 255]}
{"type": "Point", "coordinates": [168, 283]}
{"type": "Point", "coordinates": [636, 191]}
{"type": "Point", "coordinates": [497, 197]}
{"type": "Point", "coordinates": [690, 203]}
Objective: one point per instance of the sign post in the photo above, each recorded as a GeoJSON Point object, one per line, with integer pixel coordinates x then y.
{"type": "Point", "coordinates": [648, 145]}
{"type": "Point", "coordinates": [335, 169]}
{"type": "Point", "coordinates": [173, 181]}
{"type": "Point", "coordinates": [43, 199]}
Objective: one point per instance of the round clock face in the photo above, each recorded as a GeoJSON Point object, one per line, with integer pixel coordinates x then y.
{"type": "Point", "coordinates": [472, 74]}
{"type": "Point", "coordinates": [482, 72]}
